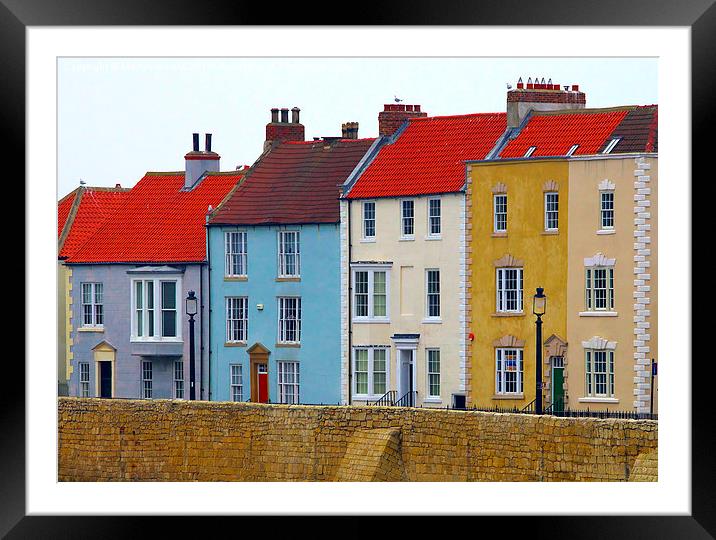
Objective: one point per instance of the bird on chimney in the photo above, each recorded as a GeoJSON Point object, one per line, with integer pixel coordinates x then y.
{"type": "Point", "coordinates": [397, 99]}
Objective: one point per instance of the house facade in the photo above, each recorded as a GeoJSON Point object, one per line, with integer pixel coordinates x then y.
{"type": "Point", "coordinates": [129, 327]}
{"type": "Point", "coordinates": [403, 260]}
{"type": "Point", "coordinates": [275, 272]}
{"type": "Point", "coordinates": [567, 203]}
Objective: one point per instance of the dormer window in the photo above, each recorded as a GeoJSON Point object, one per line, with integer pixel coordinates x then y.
{"type": "Point", "coordinates": [530, 151]}
{"type": "Point", "coordinates": [572, 149]}
{"type": "Point", "coordinates": [611, 145]}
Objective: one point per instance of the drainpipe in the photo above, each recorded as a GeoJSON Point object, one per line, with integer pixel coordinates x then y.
{"type": "Point", "coordinates": [208, 310]}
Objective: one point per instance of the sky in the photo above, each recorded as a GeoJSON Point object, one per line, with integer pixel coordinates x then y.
{"type": "Point", "coordinates": [121, 117]}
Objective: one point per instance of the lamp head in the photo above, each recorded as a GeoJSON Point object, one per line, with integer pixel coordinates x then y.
{"type": "Point", "coordinates": [192, 304]}
{"type": "Point", "coordinates": [539, 302]}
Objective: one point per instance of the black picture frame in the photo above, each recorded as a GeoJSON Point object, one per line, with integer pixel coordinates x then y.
{"type": "Point", "coordinates": [16, 15]}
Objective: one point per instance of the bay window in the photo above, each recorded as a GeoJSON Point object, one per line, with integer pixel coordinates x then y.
{"type": "Point", "coordinates": [155, 311]}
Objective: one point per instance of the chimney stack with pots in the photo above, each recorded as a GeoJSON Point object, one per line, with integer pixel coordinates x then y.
{"type": "Point", "coordinates": [280, 129]}
{"type": "Point", "coordinates": [198, 163]}
{"type": "Point", "coordinates": [393, 116]}
{"type": "Point", "coordinates": [349, 130]}
{"type": "Point", "coordinates": [541, 96]}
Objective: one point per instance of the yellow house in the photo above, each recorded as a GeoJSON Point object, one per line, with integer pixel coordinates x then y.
{"type": "Point", "coordinates": [517, 233]}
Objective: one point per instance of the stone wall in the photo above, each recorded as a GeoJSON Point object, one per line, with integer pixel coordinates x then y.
{"type": "Point", "coordinates": [163, 440]}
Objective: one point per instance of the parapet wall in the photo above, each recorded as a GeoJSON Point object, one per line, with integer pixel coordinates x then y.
{"type": "Point", "coordinates": [164, 440]}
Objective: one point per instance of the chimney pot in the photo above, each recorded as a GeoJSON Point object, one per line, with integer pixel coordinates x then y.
{"type": "Point", "coordinates": [118, 185]}
{"type": "Point", "coordinates": [274, 115]}
{"type": "Point", "coordinates": [575, 88]}
{"type": "Point", "coordinates": [207, 142]}
{"type": "Point", "coordinates": [284, 115]}
{"type": "Point", "coordinates": [294, 115]}
{"type": "Point", "coordinates": [196, 142]}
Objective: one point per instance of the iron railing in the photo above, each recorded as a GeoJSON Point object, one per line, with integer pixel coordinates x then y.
{"type": "Point", "coordinates": [408, 400]}
{"type": "Point", "coordinates": [388, 399]}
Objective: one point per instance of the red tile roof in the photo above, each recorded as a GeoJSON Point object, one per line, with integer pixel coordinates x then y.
{"type": "Point", "coordinates": [553, 134]}
{"type": "Point", "coordinates": [157, 222]}
{"type": "Point", "coordinates": [296, 182]}
{"type": "Point", "coordinates": [638, 131]}
{"type": "Point", "coordinates": [82, 212]}
{"type": "Point", "coordinates": [428, 156]}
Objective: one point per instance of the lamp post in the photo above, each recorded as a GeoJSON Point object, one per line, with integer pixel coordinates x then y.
{"type": "Point", "coordinates": [539, 307]}
{"type": "Point", "coordinates": [191, 310]}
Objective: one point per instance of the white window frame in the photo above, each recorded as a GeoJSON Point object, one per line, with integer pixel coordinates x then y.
{"type": "Point", "coordinates": [179, 389]}
{"type": "Point", "coordinates": [84, 378]}
{"type": "Point", "coordinates": [282, 322]}
{"type": "Point", "coordinates": [404, 220]}
{"type": "Point", "coordinates": [236, 260]}
{"type": "Point", "coordinates": [371, 271]}
{"type": "Point", "coordinates": [611, 145]}
{"type": "Point", "coordinates": [157, 309]}
{"type": "Point", "coordinates": [96, 307]}
{"type": "Point", "coordinates": [501, 291]}
{"type": "Point", "coordinates": [370, 384]}
{"type": "Point", "coordinates": [501, 371]}
{"type": "Point", "coordinates": [495, 213]}
{"type": "Point", "coordinates": [603, 211]}
{"type": "Point", "coordinates": [365, 220]}
{"type": "Point", "coordinates": [551, 212]}
{"type": "Point", "coordinates": [282, 254]}
{"type": "Point", "coordinates": [242, 308]}
{"type": "Point", "coordinates": [437, 217]}
{"type": "Point", "coordinates": [147, 383]}
{"type": "Point", "coordinates": [428, 294]}
{"type": "Point", "coordinates": [590, 373]}
{"type": "Point", "coordinates": [285, 382]}
{"type": "Point", "coordinates": [236, 382]}
{"type": "Point", "coordinates": [430, 373]}
{"type": "Point", "coordinates": [590, 289]}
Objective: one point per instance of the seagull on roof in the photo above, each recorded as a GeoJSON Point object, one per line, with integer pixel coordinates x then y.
{"type": "Point", "coordinates": [397, 99]}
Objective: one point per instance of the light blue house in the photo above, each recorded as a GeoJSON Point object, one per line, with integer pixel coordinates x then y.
{"type": "Point", "coordinates": [275, 296]}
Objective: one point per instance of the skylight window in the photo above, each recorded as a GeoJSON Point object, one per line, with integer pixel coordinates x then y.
{"type": "Point", "coordinates": [571, 150]}
{"type": "Point", "coordinates": [530, 150]}
{"type": "Point", "coordinates": [611, 145]}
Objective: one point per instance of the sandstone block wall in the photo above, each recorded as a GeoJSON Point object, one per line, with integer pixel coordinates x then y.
{"type": "Point", "coordinates": [165, 440]}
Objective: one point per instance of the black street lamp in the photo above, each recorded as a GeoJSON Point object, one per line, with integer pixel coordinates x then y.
{"type": "Point", "coordinates": [192, 304]}
{"type": "Point", "coordinates": [539, 307]}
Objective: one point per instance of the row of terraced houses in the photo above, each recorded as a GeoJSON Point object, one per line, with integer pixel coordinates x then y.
{"type": "Point", "coordinates": [397, 270]}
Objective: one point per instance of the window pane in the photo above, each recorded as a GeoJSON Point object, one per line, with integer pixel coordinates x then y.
{"type": "Point", "coordinates": [379, 371]}
{"type": "Point", "coordinates": [169, 295]}
{"type": "Point", "coordinates": [379, 294]}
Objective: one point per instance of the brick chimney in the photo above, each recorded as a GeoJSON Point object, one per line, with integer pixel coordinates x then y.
{"type": "Point", "coordinates": [393, 116]}
{"type": "Point", "coordinates": [349, 130]}
{"type": "Point", "coordinates": [539, 95]}
{"type": "Point", "coordinates": [198, 162]}
{"type": "Point", "coordinates": [280, 129]}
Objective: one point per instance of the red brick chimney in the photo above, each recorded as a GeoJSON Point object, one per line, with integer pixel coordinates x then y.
{"type": "Point", "coordinates": [393, 116]}
{"type": "Point", "coordinates": [541, 96]}
{"type": "Point", "coordinates": [283, 130]}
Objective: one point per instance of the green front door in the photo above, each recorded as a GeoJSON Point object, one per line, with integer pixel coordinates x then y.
{"type": "Point", "coordinates": [558, 388]}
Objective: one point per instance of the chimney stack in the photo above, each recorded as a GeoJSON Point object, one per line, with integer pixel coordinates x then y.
{"type": "Point", "coordinates": [541, 96]}
{"type": "Point", "coordinates": [349, 130]}
{"type": "Point", "coordinates": [393, 116]}
{"type": "Point", "coordinates": [198, 163]}
{"type": "Point", "coordinates": [283, 130]}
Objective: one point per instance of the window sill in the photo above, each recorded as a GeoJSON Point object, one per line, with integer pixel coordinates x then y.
{"type": "Point", "coordinates": [432, 321]}
{"type": "Point", "coordinates": [367, 397]}
{"type": "Point", "coordinates": [432, 400]}
{"type": "Point", "coordinates": [90, 329]}
{"type": "Point", "coordinates": [235, 344]}
{"type": "Point", "coordinates": [372, 321]}
{"type": "Point", "coordinates": [550, 232]}
{"type": "Point", "coordinates": [406, 239]}
{"type": "Point", "coordinates": [236, 278]}
{"type": "Point", "coordinates": [499, 235]}
{"type": "Point", "coordinates": [509, 314]}
{"type": "Point", "coordinates": [288, 279]}
{"type": "Point", "coordinates": [430, 238]}
{"type": "Point", "coordinates": [367, 240]}
{"type": "Point", "coordinates": [606, 231]}
{"type": "Point", "coordinates": [156, 340]}
{"type": "Point", "coordinates": [288, 345]}
{"type": "Point", "coordinates": [597, 400]}
{"type": "Point", "coordinates": [598, 314]}
{"type": "Point", "coordinates": [508, 396]}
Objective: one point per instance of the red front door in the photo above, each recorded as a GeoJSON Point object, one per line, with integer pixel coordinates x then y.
{"type": "Point", "coordinates": [262, 376]}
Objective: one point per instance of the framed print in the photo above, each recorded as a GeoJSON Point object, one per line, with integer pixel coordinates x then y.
{"type": "Point", "coordinates": [252, 344]}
